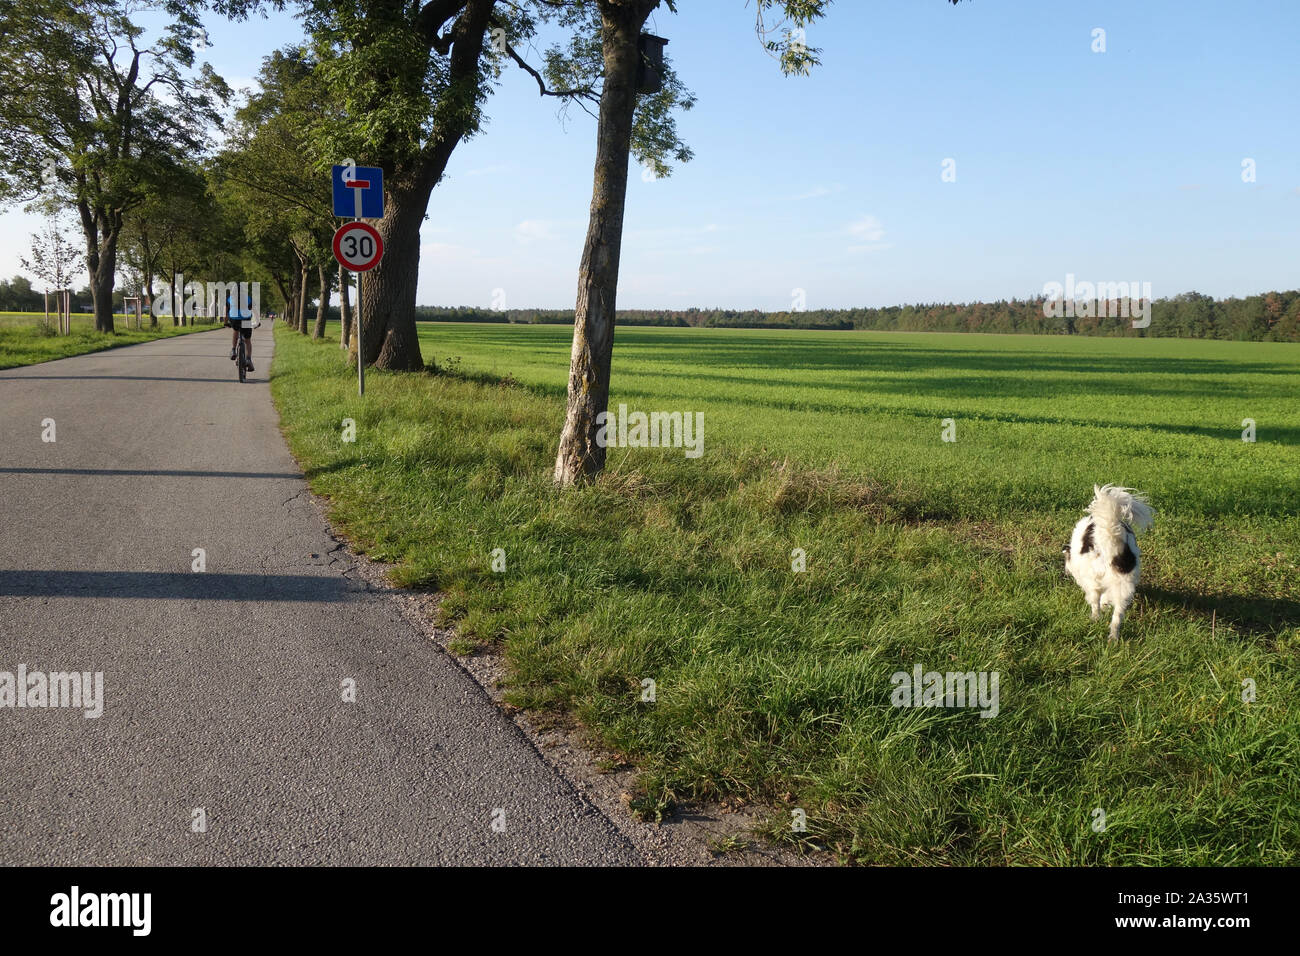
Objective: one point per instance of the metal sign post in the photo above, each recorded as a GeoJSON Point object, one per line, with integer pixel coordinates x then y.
{"type": "Point", "coordinates": [357, 245]}
{"type": "Point", "coordinates": [357, 194]}
{"type": "Point", "coordinates": [361, 355]}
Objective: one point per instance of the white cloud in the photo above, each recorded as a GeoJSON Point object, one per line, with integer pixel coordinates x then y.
{"type": "Point", "coordinates": [535, 230]}
{"type": "Point", "coordinates": [868, 229]}
{"type": "Point", "coordinates": [817, 192]}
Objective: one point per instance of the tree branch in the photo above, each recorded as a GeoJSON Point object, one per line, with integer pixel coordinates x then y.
{"type": "Point", "coordinates": [579, 93]}
{"type": "Point", "coordinates": [433, 16]}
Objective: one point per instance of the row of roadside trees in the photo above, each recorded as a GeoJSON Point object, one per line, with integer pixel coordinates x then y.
{"type": "Point", "coordinates": [400, 86]}
{"type": "Point", "coordinates": [119, 129]}
{"type": "Point", "coordinates": [97, 120]}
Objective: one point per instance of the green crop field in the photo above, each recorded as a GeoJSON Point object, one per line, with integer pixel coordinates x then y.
{"type": "Point", "coordinates": [1176, 745]}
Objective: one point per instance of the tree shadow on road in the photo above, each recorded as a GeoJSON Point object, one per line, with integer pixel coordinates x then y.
{"type": "Point", "coordinates": [165, 585]}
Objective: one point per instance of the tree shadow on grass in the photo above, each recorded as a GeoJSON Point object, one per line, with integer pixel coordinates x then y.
{"type": "Point", "coordinates": [829, 351]}
{"type": "Point", "coordinates": [859, 403]}
{"type": "Point", "coordinates": [873, 355]}
{"type": "Point", "coordinates": [496, 380]}
{"type": "Point", "coordinates": [341, 464]}
{"type": "Point", "coordinates": [1258, 617]}
{"type": "Point", "coordinates": [1022, 384]}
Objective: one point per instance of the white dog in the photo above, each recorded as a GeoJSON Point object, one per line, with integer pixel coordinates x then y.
{"type": "Point", "coordinates": [1103, 556]}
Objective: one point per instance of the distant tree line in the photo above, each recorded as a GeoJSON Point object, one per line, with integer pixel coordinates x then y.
{"type": "Point", "coordinates": [17, 295]}
{"type": "Point", "coordinates": [1270, 317]}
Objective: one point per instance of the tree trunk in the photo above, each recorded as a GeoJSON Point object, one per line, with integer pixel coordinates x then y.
{"type": "Point", "coordinates": [300, 321]}
{"type": "Point", "coordinates": [580, 457]}
{"type": "Point", "coordinates": [285, 295]}
{"type": "Point", "coordinates": [101, 263]}
{"type": "Point", "coordinates": [150, 260]}
{"type": "Point", "coordinates": [388, 331]}
{"type": "Point", "coordinates": [178, 304]}
{"type": "Point", "coordinates": [291, 301]}
{"type": "Point", "coordinates": [322, 307]}
{"type": "Point", "coordinates": [345, 306]}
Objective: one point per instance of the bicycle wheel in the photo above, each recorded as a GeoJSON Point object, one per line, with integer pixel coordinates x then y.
{"type": "Point", "coordinates": [241, 361]}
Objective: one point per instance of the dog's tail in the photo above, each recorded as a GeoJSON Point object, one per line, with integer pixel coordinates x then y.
{"type": "Point", "coordinates": [1118, 510]}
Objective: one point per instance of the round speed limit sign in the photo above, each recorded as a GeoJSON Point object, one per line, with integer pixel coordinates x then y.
{"type": "Point", "coordinates": [357, 247]}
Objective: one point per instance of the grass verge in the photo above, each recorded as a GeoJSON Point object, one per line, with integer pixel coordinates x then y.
{"type": "Point", "coordinates": [30, 343]}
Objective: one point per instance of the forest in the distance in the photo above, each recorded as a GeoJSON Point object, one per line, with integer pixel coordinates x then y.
{"type": "Point", "coordinates": [1271, 317]}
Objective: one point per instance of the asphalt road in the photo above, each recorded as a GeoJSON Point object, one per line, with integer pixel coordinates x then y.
{"type": "Point", "coordinates": [223, 689]}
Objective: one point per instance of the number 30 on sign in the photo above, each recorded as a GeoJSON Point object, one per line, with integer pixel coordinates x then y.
{"type": "Point", "coordinates": [357, 247]}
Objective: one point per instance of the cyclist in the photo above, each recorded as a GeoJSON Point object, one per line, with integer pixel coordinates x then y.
{"type": "Point", "coordinates": [240, 321]}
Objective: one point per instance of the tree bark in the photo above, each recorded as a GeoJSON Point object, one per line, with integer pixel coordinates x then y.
{"type": "Point", "coordinates": [285, 295]}
{"type": "Point", "coordinates": [150, 259]}
{"type": "Point", "coordinates": [101, 294]}
{"type": "Point", "coordinates": [322, 306]}
{"type": "Point", "coordinates": [291, 301]}
{"type": "Point", "coordinates": [388, 331]}
{"type": "Point", "coordinates": [100, 229]}
{"type": "Point", "coordinates": [178, 304]}
{"type": "Point", "coordinates": [300, 320]}
{"type": "Point", "coordinates": [579, 457]}
{"type": "Point", "coordinates": [345, 306]}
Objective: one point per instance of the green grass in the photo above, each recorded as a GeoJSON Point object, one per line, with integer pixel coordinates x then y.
{"type": "Point", "coordinates": [774, 686]}
{"type": "Point", "coordinates": [79, 319]}
{"type": "Point", "coordinates": [25, 339]}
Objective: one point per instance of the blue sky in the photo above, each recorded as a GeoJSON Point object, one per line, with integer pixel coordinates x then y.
{"type": "Point", "coordinates": [1114, 166]}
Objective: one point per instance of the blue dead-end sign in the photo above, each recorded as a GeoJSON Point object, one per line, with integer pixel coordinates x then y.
{"type": "Point", "coordinates": [359, 192]}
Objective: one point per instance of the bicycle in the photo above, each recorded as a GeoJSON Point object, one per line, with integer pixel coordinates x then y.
{"type": "Point", "coordinates": [241, 359]}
